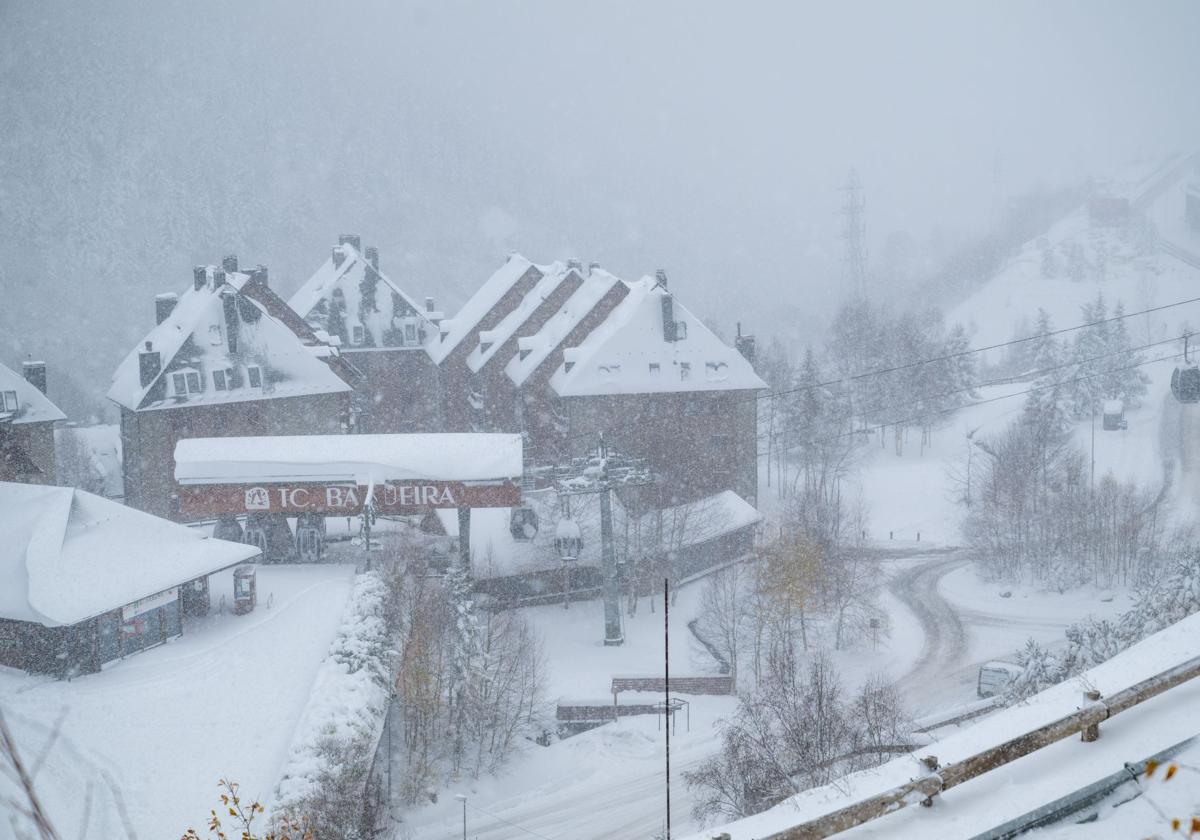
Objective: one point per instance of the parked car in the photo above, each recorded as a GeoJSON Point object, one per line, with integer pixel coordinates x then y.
{"type": "Point", "coordinates": [994, 676]}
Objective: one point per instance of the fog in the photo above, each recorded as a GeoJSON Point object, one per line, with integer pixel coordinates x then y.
{"type": "Point", "coordinates": [707, 139]}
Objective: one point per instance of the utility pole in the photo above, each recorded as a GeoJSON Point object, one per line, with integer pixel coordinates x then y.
{"type": "Point", "coordinates": [667, 712]}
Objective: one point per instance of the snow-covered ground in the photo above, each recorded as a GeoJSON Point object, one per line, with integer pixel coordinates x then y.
{"type": "Point", "coordinates": [1020, 786]}
{"type": "Point", "coordinates": [162, 727]}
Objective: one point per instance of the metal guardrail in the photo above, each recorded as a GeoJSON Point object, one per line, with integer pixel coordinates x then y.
{"type": "Point", "coordinates": [1081, 799]}
{"type": "Point", "coordinates": [1085, 721]}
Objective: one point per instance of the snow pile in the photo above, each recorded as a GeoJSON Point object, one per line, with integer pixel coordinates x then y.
{"type": "Point", "coordinates": [348, 700]}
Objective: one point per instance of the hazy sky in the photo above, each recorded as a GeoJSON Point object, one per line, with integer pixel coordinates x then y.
{"type": "Point", "coordinates": [705, 138]}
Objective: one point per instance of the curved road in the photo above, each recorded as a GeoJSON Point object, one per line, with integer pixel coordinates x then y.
{"type": "Point", "coordinates": [945, 645]}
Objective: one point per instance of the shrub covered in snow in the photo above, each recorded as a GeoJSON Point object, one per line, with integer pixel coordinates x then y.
{"type": "Point", "coordinates": [325, 777]}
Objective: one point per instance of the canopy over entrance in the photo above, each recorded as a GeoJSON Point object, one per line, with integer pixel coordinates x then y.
{"type": "Point", "coordinates": [338, 474]}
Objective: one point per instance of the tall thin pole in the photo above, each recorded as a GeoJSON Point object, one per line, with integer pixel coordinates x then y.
{"type": "Point", "coordinates": [667, 690]}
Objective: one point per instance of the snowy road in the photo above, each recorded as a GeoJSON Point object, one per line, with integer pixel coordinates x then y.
{"type": "Point", "coordinates": [945, 645]}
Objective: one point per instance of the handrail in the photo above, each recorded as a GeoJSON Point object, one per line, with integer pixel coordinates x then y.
{"type": "Point", "coordinates": [942, 778]}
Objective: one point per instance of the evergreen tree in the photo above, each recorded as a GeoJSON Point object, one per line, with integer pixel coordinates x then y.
{"type": "Point", "coordinates": [962, 369]}
{"type": "Point", "coordinates": [1049, 263]}
{"type": "Point", "coordinates": [1125, 382]}
{"type": "Point", "coordinates": [1092, 344]}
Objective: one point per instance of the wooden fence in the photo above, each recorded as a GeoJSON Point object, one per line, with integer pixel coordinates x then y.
{"type": "Point", "coordinates": [1085, 722]}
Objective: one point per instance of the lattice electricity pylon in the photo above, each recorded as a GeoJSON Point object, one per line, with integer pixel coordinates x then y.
{"type": "Point", "coordinates": [854, 236]}
{"type": "Point", "coordinates": [601, 473]}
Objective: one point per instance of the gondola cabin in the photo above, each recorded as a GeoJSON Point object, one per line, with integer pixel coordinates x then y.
{"type": "Point", "coordinates": [1185, 384]}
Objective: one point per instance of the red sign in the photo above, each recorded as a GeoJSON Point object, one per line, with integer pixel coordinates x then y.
{"type": "Point", "coordinates": [202, 500]}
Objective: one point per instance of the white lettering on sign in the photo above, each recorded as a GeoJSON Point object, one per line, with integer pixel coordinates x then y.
{"type": "Point", "coordinates": [146, 604]}
{"type": "Point", "coordinates": [257, 499]}
{"type": "Point", "coordinates": [293, 497]}
{"type": "Point", "coordinates": [341, 497]}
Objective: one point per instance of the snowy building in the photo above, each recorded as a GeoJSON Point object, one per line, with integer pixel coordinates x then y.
{"type": "Point", "coordinates": [27, 419]}
{"type": "Point", "coordinates": [562, 354]}
{"type": "Point", "coordinates": [84, 580]}
{"type": "Point", "coordinates": [382, 331]}
{"type": "Point", "coordinates": [226, 358]}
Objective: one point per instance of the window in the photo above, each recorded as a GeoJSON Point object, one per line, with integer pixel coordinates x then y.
{"type": "Point", "coordinates": [655, 368]}
{"type": "Point", "coordinates": [219, 380]}
{"type": "Point", "coordinates": [254, 376]}
{"type": "Point", "coordinates": [716, 371]}
{"type": "Point", "coordinates": [410, 333]}
{"type": "Point", "coordinates": [186, 381]}
{"type": "Point", "coordinates": [214, 335]}
{"type": "Point", "coordinates": [685, 371]}
{"type": "Point", "coordinates": [357, 334]}
{"type": "Point", "coordinates": [9, 403]}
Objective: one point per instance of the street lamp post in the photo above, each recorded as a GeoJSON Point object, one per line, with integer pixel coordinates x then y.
{"type": "Point", "coordinates": [463, 799]}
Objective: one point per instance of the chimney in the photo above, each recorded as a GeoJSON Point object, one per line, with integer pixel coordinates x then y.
{"type": "Point", "coordinates": [372, 255]}
{"type": "Point", "coordinates": [429, 304]}
{"type": "Point", "coordinates": [670, 333]}
{"type": "Point", "coordinates": [164, 305]}
{"type": "Point", "coordinates": [593, 266]}
{"type": "Point", "coordinates": [199, 277]}
{"type": "Point", "coordinates": [260, 274]}
{"type": "Point", "coordinates": [575, 264]}
{"type": "Point", "coordinates": [230, 264]}
{"type": "Point", "coordinates": [149, 363]}
{"type": "Point", "coordinates": [339, 256]}
{"type": "Point", "coordinates": [744, 344]}
{"type": "Point", "coordinates": [218, 278]}
{"type": "Point", "coordinates": [35, 374]}
{"type": "Point", "coordinates": [351, 239]}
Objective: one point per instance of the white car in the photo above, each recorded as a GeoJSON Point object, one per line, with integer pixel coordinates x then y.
{"type": "Point", "coordinates": [994, 676]}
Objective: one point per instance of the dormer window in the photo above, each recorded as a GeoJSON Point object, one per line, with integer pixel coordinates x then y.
{"type": "Point", "coordinates": [254, 376]}
{"type": "Point", "coordinates": [219, 380]}
{"type": "Point", "coordinates": [716, 371]}
{"type": "Point", "coordinates": [8, 402]}
{"type": "Point", "coordinates": [214, 335]}
{"type": "Point", "coordinates": [186, 381]}
{"type": "Point", "coordinates": [655, 368]}
{"type": "Point", "coordinates": [357, 334]}
{"type": "Point", "coordinates": [410, 333]}
{"type": "Point", "coordinates": [685, 371]}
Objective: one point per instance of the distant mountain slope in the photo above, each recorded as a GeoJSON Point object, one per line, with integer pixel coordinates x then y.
{"type": "Point", "coordinates": [1076, 259]}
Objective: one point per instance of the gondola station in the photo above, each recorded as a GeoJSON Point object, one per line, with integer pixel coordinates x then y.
{"type": "Point", "coordinates": [269, 480]}
{"type": "Point", "coordinates": [85, 581]}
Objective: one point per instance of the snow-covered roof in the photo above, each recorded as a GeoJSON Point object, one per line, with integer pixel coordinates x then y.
{"type": "Point", "coordinates": [454, 330]}
{"type": "Point", "coordinates": [696, 522]}
{"type": "Point", "coordinates": [101, 445]}
{"type": "Point", "coordinates": [383, 322]}
{"type": "Point", "coordinates": [535, 349]}
{"type": "Point", "coordinates": [194, 336]}
{"type": "Point", "coordinates": [490, 341]}
{"type": "Point", "coordinates": [68, 555]}
{"type": "Point", "coordinates": [497, 552]}
{"type": "Point", "coordinates": [430, 457]}
{"type": "Point", "coordinates": [32, 405]}
{"type": "Point", "coordinates": [629, 353]}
